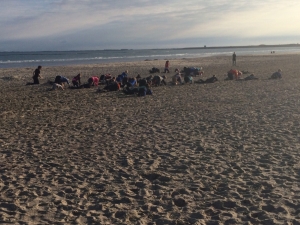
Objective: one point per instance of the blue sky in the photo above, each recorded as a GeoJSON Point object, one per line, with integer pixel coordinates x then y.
{"type": "Point", "coordinates": [30, 25]}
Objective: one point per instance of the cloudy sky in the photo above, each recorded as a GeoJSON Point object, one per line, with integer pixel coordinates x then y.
{"type": "Point", "coordinates": [28, 25]}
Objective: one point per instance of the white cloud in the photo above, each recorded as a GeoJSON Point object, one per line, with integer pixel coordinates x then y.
{"type": "Point", "coordinates": [142, 21]}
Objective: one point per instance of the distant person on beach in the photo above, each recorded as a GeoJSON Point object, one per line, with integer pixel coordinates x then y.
{"type": "Point", "coordinates": [167, 66]}
{"type": "Point", "coordinates": [234, 59]}
{"type": "Point", "coordinates": [276, 75]}
{"type": "Point", "coordinates": [76, 80]}
{"type": "Point", "coordinates": [37, 75]}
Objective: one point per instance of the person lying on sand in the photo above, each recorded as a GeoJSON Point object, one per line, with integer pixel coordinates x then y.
{"type": "Point", "coordinates": [276, 75]}
{"type": "Point", "coordinates": [192, 71]}
{"type": "Point", "coordinates": [234, 74]}
{"type": "Point", "coordinates": [213, 79]}
{"type": "Point", "coordinates": [139, 91]}
{"type": "Point", "coordinates": [76, 80]}
{"type": "Point", "coordinates": [251, 77]}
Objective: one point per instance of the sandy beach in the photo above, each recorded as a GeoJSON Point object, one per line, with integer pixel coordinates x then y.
{"type": "Point", "coordinates": [221, 153]}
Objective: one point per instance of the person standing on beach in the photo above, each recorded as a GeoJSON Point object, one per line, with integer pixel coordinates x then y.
{"type": "Point", "coordinates": [167, 65]}
{"type": "Point", "coordinates": [37, 75]}
{"type": "Point", "coordinates": [234, 59]}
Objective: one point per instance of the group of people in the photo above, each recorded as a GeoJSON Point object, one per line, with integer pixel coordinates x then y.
{"type": "Point", "coordinates": [138, 84]}
{"type": "Point", "coordinates": [234, 74]}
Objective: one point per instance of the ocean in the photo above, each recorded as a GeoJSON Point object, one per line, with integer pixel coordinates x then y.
{"type": "Point", "coordinates": [64, 58]}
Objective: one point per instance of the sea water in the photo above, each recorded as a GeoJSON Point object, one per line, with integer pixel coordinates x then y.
{"type": "Point", "coordinates": [64, 58]}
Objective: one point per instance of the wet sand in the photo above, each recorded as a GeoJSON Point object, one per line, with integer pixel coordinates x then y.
{"type": "Point", "coordinates": [222, 153]}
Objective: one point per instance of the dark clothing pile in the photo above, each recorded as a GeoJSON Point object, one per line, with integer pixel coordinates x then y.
{"type": "Point", "coordinates": [154, 70]}
{"type": "Point", "coordinates": [213, 79]}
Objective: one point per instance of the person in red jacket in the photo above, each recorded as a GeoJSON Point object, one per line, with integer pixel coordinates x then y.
{"type": "Point", "coordinates": [234, 74]}
{"type": "Point", "coordinates": [167, 66]}
{"type": "Point", "coordinates": [93, 81]}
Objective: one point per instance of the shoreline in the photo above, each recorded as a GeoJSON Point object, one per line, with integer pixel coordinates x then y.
{"type": "Point", "coordinates": [28, 59]}
{"type": "Point", "coordinates": [156, 61]}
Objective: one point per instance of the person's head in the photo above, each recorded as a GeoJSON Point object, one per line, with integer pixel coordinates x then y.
{"type": "Point", "coordinates": [279, 70]}
{"type": "Point", "coordinates": [176, 70]}
{"type": "Point", "coordinates": [126, 71]}
{"type": "Point", "coordinates": [39, 67]}
{"type": "Point", "coordinates": [164, 77]}
{"type": "Point", "coordinates": [79, 75]}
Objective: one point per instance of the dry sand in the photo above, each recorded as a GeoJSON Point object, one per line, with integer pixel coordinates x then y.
{"type": "Point", "coordinates": [222, 153]}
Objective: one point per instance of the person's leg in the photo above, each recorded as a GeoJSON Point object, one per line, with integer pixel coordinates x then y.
{"type": "Point", "coordinates": [36, 81]}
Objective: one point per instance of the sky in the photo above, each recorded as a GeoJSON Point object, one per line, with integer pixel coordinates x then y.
{"type": "Point", "coordinates": [43, 25]}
